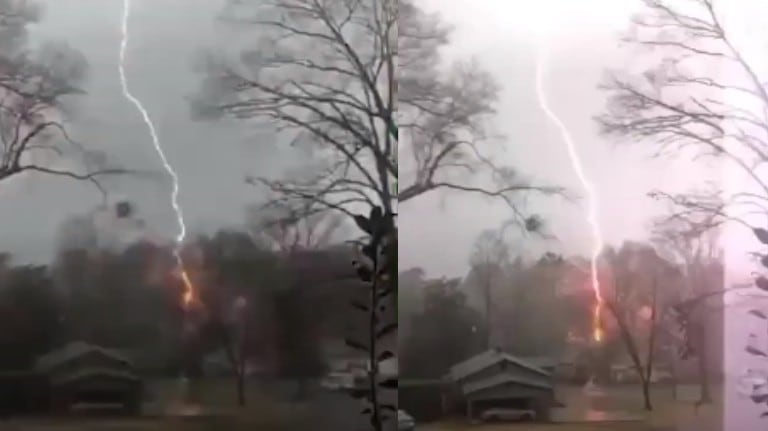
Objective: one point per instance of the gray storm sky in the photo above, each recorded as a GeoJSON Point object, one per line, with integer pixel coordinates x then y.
{"type": "Point", "coordinates": [211, 159]}
{"type": "Point", "coordinates": [438, 230]}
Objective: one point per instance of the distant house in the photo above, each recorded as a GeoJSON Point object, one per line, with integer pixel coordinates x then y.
{"type": "Point", "coordinates": [563, 368]}
{"type": "Point", "coordinates": [82, 373]}
{"type": "Point", "coordinates": [627, 373]}
{"type": "Point", "coordinates": [546, 363]}
{"type": "Point", "coordinates": [218, 364]}
{"type": "Point", "coordinates": [497, 379]}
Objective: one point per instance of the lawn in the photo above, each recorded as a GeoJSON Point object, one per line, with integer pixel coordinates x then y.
{"type": "Point", "coordinates": [266, 410]}
{"type": "Point", "coordinates": [669, 414]}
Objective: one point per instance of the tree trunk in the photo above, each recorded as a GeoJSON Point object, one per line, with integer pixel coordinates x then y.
{"type": "Point", "coordinates": [241, 389]}
{"type": "Point", "coordinates": [631, 346]}
{"type": "Point", "coordinates": [646, 393]}
{"type": "Point", "coordinates": [675, 378]}
{"type": "Point", "coordinates": [488, 324]}
{"type": "Point", "coordinates": [301, 389]}
{"type": "Point", "coordinates": [651, 347]}
{"type": "Point", "coordinates": [705, 396]}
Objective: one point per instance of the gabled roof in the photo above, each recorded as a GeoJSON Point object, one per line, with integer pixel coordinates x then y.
{"type": "Point", "coordinates": [503, 379]}
{"type": "Point", "coordinates": [487, 359]}
{"type": "Point", "coordinates": [95, 372]}
{"type": "Point", "coordinates": [74, 350]}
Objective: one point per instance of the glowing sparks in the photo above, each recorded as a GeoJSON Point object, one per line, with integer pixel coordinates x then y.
{"type": "Point", "coordinates": [189, 290]}
{"type": "Point", "coordinates": [592, 219]}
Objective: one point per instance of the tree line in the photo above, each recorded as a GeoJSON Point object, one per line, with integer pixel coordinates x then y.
{"type": "Point", "coordinates": [297, 295]}
{"type": "Point", "coordinates": [543, 308]}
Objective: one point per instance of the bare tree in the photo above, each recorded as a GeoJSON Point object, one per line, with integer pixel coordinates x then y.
{"type": "Point", "coordinates": [290, 230]}
{"type": "Point", "coordinates": [488, 261]}
{"type": "Point", "coordinates": [324, 74]}
{"type": "Point", "coordinates": [703, 98]}
{"type": "Point", "coordinates": [700, 256]}
{"type": "Point", "coordinates": [639, 277]}
{"type": "Point", "coordinates": [34, 87]}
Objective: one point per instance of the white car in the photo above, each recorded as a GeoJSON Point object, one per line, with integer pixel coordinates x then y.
{"type": "Point", "coordinates": [507, 415]}
{"type": "Point", "coordinates": [405, 422]}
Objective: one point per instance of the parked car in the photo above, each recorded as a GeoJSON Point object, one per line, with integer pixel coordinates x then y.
{"type": "Point", "coordinates": [336, 381]}
{"type": "Point", "coordinates": [507, 415]}
{"type": "Point", "coordinates": [405, 422]}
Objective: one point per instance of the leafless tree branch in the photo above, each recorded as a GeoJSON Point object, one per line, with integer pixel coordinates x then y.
{"type": "Point", "coordinates": [33, 85]}
{"type": "Point", "coordinates": [325, 75]}
{"type": "Point", "coordinates": [683, 102]}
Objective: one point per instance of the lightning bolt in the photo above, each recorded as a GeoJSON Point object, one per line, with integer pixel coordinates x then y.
{"type": "Point", "coordinates": [592, 198]}
{"type": "Point", "coordinates": [189, 291]}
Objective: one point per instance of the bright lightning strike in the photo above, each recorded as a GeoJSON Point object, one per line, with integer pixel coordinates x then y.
{"type": "Point", "coordinates": [189, 291]}
{"type": "Point", "coordinates": [592, 219]}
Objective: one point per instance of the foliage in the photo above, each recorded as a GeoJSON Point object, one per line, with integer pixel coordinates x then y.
{"type": "Point", "coordinates": [298, 351]}
{"type": "Point", "coordinates": [96, 292]}
{"type": "Point", "coordinates": [757, 391]}
{"type": "Point", "coordinates": [445, 332]}
{"type": "Point", "coordinates": [534, 300]}
{"type": "Point", "coordinates": [31, 313]}
{"type": "Point", "coordinates": [380, 252]}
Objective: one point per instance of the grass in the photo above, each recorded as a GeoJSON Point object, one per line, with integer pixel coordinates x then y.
{"type": "Point", "coordinates": [668, 414]}
{"type": "Point", "coordinates": [218, 396]}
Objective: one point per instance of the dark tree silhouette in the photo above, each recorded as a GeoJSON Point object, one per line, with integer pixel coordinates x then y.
{"type": "Point", "coordinates": [445, 333]}
{"type": "Point", "coordinates": [299, 354]}
{"type": "Point", "coordinates": [324, 74]}
{"type": "Point", "coordinates": [31, 315]}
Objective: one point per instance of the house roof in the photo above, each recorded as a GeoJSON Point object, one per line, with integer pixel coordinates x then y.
{"type": "Point", "coordinates": [503, 379]}
{"type": "Point", "coordinates": [95, 372]}
{"type": "Point", "coordinates": [487, 359]}
{"type": "Point", "coordinates": [72, 351]}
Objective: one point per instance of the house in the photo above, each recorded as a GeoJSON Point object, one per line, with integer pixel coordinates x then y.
{"type": "Point", "coordinates": [82, 373]}
{"type": "Point", "coordinates": [218, 364]}
{"type": "Point", "coordinates": [495, 378]}
{"type": "Point", "coordinates": [566, 367]}
{"type": "Point", "coordinates": [627, 373]}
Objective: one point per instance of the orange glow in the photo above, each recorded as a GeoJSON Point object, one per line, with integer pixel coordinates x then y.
{"type": "Point", "coordinates": [597, 325]}
{"type": "Point", "coordinates": [190, 296]}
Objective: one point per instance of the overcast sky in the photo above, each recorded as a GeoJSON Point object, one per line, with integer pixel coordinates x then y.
{"type": "Point", "coordinates": [438, 230]}
{"type": "Point", "coordinates": [211, 159]}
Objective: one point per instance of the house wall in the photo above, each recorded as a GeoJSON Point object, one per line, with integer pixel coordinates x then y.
{"type": "Point", "coordinates": [509, 391]}
{"type": "Point", "coordinates": [538, 400]}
